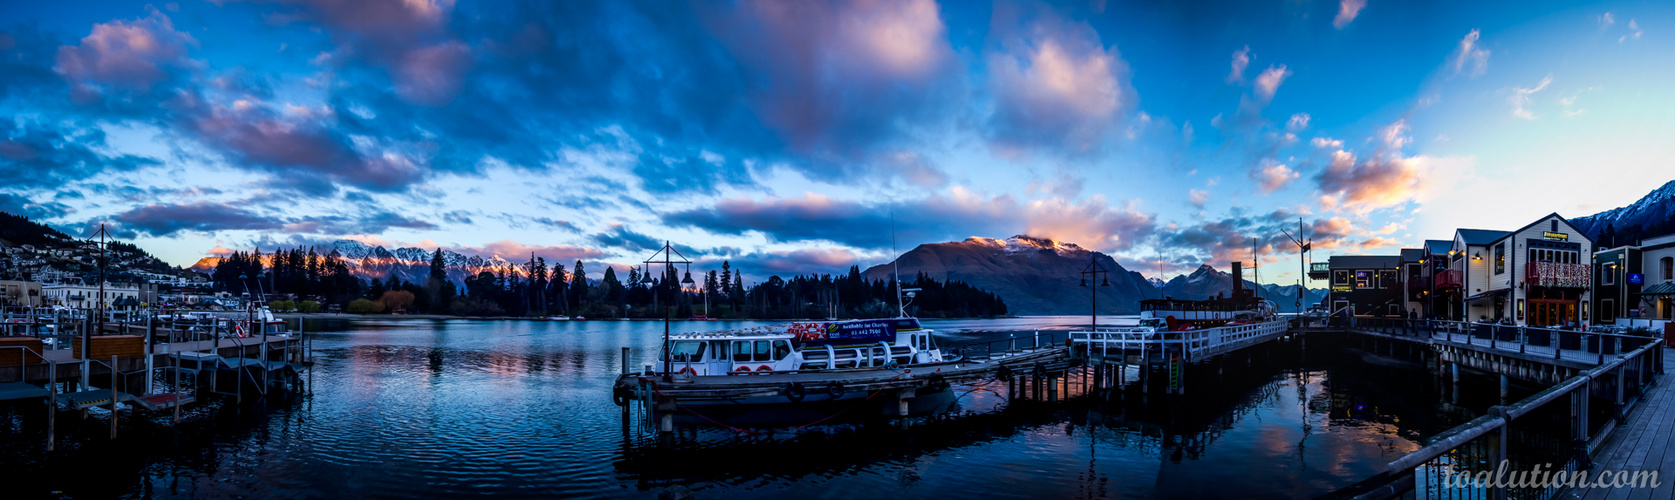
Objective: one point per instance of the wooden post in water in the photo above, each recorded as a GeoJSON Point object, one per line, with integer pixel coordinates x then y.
{"type": "Point", "coordinates": [113, 396]}
{"type": "Point", "coordinates": [625, 361]}
{"type": "Point", "coordinates": [176, 383]}
{"type": "Point", "coordinates": [52, 401]}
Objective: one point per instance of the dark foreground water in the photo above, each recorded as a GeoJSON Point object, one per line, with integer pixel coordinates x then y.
{"type": "Point", "coordinates": [426, 409]}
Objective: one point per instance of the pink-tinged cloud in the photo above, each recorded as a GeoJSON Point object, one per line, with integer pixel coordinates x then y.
{"type": "Point", "coordinates": [835, 78]}
{"type": "Point", "coordinates": [1378, 182]}
{"type": "Point", "coordinates": [1241, 60]}
{"type": "Point", "coordinates": [1273, 176]}
{"type": "Point", "coordinates": [1269, 82]}
{"type": "Point", "coordinates": [1378, 242]}
{"type": "Point", "coordinates": [1347, 10]}
{"type": "Point", "coordinates": [520, 252]}
{"type": "Point", "coordinates": [1470, 53]}
{"type": "Point", "coordinates": [292, 145]}
{"type": "Point", "coordinates": [1056, 84]}
{"type": "Point", "coordinates": [432, 76]}
{"type": "Point", "coordinates": [131, 54]}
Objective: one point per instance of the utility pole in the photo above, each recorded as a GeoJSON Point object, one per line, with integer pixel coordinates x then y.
{"type": "Point", "coordinates": [1303, 247]}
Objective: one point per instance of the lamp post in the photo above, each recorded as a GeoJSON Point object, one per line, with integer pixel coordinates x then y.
{"type": "Point", "coordinates": [669, 260]}
{"type": "Point", "coordinates": [1096, 271]}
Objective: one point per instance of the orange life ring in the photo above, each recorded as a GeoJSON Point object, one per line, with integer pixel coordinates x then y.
{"type": "Point", "coordinates": [764, 368]}
{"type": "Point", "coordinates": [745, 369]}
{"type": "Point", "coordinates": [688, 371]}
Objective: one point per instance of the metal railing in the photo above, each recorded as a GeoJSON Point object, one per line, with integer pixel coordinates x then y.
{"type": "Point", "coordinates": [1011, 344]}
{"type": "Point", "coordinates": [1578, 343]}
{"type": "Point", "coordinates": [1539, 431]}
{"type": "Point", "coordinates": [1191, 342]}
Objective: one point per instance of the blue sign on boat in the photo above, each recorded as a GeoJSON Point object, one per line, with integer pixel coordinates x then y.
{"type": "Point", "coordinates": [852, 332]}
{"type": "Point", "coordinates": [1636, 279]}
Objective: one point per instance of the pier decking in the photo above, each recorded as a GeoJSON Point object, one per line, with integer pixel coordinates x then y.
{"type": "Point", "coordinates": [1642, 443]}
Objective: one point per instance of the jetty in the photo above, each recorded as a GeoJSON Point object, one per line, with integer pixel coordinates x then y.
{"type": "Point", "coordinates": [158, 364]}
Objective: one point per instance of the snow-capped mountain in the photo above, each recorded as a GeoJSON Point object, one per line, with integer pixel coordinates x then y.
{"type": "Point", "coordinates": [1206, 282]}
{"type": "Point", "coordinates": [1033, 275]}
{"type": "Point", "coordinates": [1156, 282]}
{"type": "Point", "coordinates": [1652, 215]}
{"type": "Point", "coordinates": [410, 264]}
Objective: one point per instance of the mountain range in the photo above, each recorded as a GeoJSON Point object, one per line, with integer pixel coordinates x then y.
{"type": "Point", "coordinates": [1651, 215]}
{"type": "Point", "coordinates": [411, 264]}
{"type": "Point", "coordinates": [1042, 276]}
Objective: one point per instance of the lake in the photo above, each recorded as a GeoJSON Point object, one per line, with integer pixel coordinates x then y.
{"type": "Point", "coordinates": [449, 408]}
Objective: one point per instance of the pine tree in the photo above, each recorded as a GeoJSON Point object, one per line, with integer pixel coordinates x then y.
{"type": "Point", "coordinates": [578, 285]}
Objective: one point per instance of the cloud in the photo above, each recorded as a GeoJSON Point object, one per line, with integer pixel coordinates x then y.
{"type": "Point", "coordinates": [1521, 97]}
{"type": "Point", "coordinates": [520, 252]}
{"type": "Point", "coordinates": [38, 155]}
{"type": "Point", "coordinates": [1233, 238]}
{"type": "Point", "coordinates": [1197, 197]}
{"type": "Point", "coordinates": [1298, 122]}
{"type": "Point", "coordinates": [128, 54]}
{"type": "Point", "coordinates": [211, 217]}
{"type": "Point", "coordinates": [1469, 53]}
{"type": "Point", "coordinates": [28, 207]}
{"type": "Point", "coordinates": [1394, 135]}
{"type": "Point", "coordinates": [1378, 242]}
{"type": "Point", "coordinates": [834, 78]}
{"type": "Point", "coordinates": [432, 75]}
{"type": "Point", "coordinates": [408, 38]}
{"type": "Point", "coordinates": [1347, 10]}
{"type": "Point", "coordinates": [309, 154]}
{"type": "Point", "coordinates": [817, 218]}
{"type": "Point", "coordinates": [1056, 85]}
{"type": "Point", "coordinates": [1377, 182]}
{"type": "Point", "coordinates": [1241, 60]}
{"type": "Point", "coordinates": [1272, 176]}
{"type": "Point", "coordinates": [1326, 143]}
{"type": "Point", "coordinates": [619, 236]}
{"type": "Point", "coordinates": [694, 174]}
{"type": "Point", "coordinates": [1606, 20]}
{"type": "Point", "coordinates": [1269, 82]}
{"type": "Point", "coordinates": [760, 265]}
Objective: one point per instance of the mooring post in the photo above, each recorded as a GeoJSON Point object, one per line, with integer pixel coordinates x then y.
{"type": "Point", "coordinates": [1052, 388]}
{"type": "Point", "coordinates": [625, 360]}
{"type": "Point", "coordinates": [150, 333]}
{"type": "Point", "coordinates": [1454, 369]}
{"type": "Point", "coordinates": [176, 383]}
{"type": "Point", "coordinates": [902, 402]}
{"type": "Point", "coordinates": [665, 415]}
{"type": "Point", "coordinates": [52, 401]}
{"type": "Point", "coordinates": [113, 396]}
{"type": "Point", "coordinates": [1505, 389]}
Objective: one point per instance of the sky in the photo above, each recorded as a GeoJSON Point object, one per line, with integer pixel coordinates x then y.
{"type": "Point", "coordinates": [809, 136]}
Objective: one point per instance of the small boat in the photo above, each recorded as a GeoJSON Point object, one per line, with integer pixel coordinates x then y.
{"type": "Point", "coordinates": [558, 318]}
{"type": "Point", "coordinates": [856, 346]}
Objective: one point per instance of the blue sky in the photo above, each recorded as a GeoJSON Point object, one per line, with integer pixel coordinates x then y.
{"type": "Point", "coordinates": [791, 136]}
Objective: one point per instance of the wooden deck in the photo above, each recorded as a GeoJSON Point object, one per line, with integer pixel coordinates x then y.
{"type": "Point", "coordinates": [1576, 358]}
{"type": "Point", "coordinates": [1641, 444]}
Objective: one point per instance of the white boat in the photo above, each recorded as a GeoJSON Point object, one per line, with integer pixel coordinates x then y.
{"type": "Point", "coordinates": [853, 347]}
{"type": "Point", "coordinates": [558, 318]}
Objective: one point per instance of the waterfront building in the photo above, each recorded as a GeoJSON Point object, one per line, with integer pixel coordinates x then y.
{"type": "Point", "coordinates": [1441, 289]}
{"type": "Point", "coordinates": [1413, 286]}
{"type": "Point", "coordinates": [1364, 285]}
{"type": "Point", "coordinates": [1537, 275]}
{"type": "Point", "coordinates": [1636, 281]}
{"type": "Point", "coordinates": [117, 296]}
{"type": "Point", "coordinates": [20, 293]}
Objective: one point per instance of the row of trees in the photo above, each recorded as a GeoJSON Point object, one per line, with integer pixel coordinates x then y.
{"type": "Point", "coordinates": [535, 289]}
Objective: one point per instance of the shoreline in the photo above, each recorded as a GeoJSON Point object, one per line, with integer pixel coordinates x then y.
{"type": "Point", "coordinates": [346, 316]}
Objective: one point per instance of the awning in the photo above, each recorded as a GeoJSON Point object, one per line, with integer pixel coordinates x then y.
{"type": "Point", "coordinates": [1487, 294]}
{"type": "Point", "coordinates": [1667, 288]}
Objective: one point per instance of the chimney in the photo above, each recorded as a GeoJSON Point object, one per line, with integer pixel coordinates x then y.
{"type": "Point", "coordinates": [1238, 280]}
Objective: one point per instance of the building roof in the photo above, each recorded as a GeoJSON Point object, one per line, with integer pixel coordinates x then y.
{"type": "Point", "coordinates": [1439, 247]}
{"type": "Point", "coordinates": [1364, 261]}
{"type": "Point", "coordinates": [1482, 236]}
{"type": "Point", "coordinates": [1412, 254]}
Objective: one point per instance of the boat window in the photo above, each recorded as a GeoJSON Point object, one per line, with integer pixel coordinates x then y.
{"type": "Point", "coordinates": [781, 349]}
{"type": "Point", "coordinates": [688, 351]}
{"type": "Point", "coordinates": [741, 351]}
{"type": "Point", "coordinates": [718, 350]}
{"type": "Point", "coordinates": [762, 353]}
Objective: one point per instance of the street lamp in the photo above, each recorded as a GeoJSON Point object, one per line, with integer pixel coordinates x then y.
{"type": "Point", "coordinates": [669, 260]}
{"type": "Point", "coordinates": [1098, 272]}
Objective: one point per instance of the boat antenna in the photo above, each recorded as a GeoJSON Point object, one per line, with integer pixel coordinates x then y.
{"type": "Point", "coordinates": [895, 264]}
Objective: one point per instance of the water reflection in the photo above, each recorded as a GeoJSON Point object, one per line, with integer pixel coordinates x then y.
{"type": "Point", "coordinates": [454, 408]}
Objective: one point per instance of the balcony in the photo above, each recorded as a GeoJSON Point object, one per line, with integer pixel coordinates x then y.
{"type": "Point", "coordinates": [1320, 270]}
{"type": "Point", "coordinates": [1556, 275]}
{"type": "Point", "coordinates": [1448, 278]}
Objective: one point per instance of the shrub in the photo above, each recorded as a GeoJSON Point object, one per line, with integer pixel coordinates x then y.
{"type": "Point", "coordinates": [396, 300]}
{"type": "Point", "coordinates": [281, 305]}
{"type": "Point", "coordinates": [363, 306]}
{"type": "Point", "coordinates": [308, 306]}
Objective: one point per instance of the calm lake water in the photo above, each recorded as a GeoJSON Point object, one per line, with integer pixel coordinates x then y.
{"type": "Point", "coordinates": [431, 408]}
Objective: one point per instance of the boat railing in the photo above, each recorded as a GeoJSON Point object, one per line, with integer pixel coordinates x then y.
{"type": "Point", "coordinates": [1191, 342]}
{"type": "Point", "coordinates": [1012, 345]}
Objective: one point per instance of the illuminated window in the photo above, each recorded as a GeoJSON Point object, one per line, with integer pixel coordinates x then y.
{"type": "Point", "coordinates": [1500, 258]}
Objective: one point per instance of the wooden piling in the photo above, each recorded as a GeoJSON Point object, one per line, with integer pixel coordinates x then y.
{"type": "Point", "coordinates": [52, 402]}
{"type": "Point", "coordinates": [113, 397]}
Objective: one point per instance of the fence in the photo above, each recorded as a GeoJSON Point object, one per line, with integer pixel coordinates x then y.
{"type": "Point", "coordinates": [1551, 428]}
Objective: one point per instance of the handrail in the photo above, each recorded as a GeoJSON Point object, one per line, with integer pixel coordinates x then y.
{"type": "Point", "coordinates": [1498, 418]}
